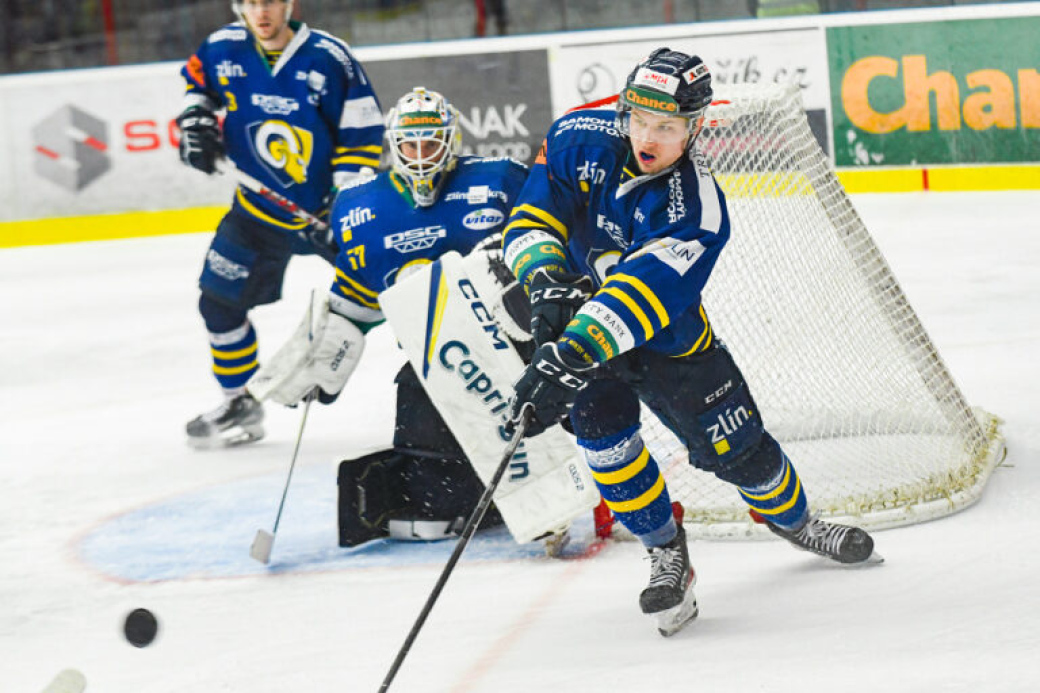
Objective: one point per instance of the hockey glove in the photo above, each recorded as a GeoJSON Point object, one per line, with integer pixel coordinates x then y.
{"type": "Point", "coordinates": [555, 298]}
{"type": "Point", "coordinates": [548, 388]}
{"type": "Point", "coordinates": [201, 140]}
{"type": "Point", "coordinates": [323, 241]}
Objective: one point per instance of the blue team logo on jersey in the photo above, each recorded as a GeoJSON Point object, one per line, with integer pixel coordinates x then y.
{"type": "Point", "coordinates": [285, 150]}
{"type": "Point", "coordinates": [483, 219]}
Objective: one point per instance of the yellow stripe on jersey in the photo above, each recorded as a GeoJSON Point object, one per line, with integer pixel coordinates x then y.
{"type": "Point", "coordinates": [370, 148]}
{"type": "Point", "coordinates": [630, 303]}
{"type": "Point", "coordinates": [625, 473]}
{"type": "Point", "coordinates": [362, 160]}
{"type": "Point", "coordinates": [639, 502]}
{"type": "Point", "coordinates": [340, 274]}
{"type": "Point", "coordinates": [232, 355]}
{"type": "Point", "coordinates": [259, 214]}
{"type": "Point", "coordinates": [347, 292]}
{"type": "Point", "coordinates": [646, 293]}
{"type": "Point", "coordinates": [549, 219]}
{"type": "Point", "coordinates": [522, 224]}
{"type": "Point", "coordinates": [704, 341]}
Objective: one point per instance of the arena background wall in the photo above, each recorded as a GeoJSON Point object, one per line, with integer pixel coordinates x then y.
{"type": "Point", "coordinates": [908, 100]}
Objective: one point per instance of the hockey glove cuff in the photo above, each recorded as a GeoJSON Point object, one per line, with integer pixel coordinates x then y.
{"type": "Point", "coordinates": [548, 388]}
{"type": "Point", "coordinates": [555, 298]}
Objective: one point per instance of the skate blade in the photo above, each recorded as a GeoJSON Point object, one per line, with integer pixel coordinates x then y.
{"type": "Point", "coordinates": [232, 437]}
{"type": "Point", "coordinates": [675, 619]}
{"type": "Point", "coordinates": [873, 559]}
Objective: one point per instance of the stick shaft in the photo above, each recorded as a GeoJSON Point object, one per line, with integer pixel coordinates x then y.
{"type": "Point", "coordinates": [467, 534]}
{"type": "Point", "coordinates": [296, 450]}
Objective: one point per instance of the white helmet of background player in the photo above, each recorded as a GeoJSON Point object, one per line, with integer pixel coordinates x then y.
{"type": "Point", "coordinates": [239, 8]}
{"type": "Point", "coordinates": [425, 139]}
{"type": "Point", "coordinates": [668, 83]}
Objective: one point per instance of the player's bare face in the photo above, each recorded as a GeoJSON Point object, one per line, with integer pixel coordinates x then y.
{"type": "Point", "coordinates": [657, 140]}
{"type": "Point", "coordinates": [267, 21]}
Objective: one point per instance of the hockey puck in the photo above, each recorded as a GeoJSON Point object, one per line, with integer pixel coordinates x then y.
{"type": "Point", "coordinates": [140, 627]}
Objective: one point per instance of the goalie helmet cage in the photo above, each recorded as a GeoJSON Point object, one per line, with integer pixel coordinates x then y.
{"type": "Point", "coordinates": [838, 362]}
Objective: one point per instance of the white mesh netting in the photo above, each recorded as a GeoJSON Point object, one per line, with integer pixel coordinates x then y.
{"type": "Point", "coordinates": [842, 370]}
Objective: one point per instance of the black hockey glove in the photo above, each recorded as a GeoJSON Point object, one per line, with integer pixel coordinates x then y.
{"type": "Point", "coordinates": [555, 298]}
{"type": "Point", "coordinates": [323, 241]}
{"type": "Point", "coordinates": [548, 388]}
{"type": "Point", "coordinates": [201, 140]}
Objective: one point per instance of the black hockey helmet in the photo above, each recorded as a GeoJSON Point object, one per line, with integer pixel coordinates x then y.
{"type": "Point", "coordinates": [668, 82]}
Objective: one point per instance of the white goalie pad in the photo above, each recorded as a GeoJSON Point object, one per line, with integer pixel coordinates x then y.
{"type": "Point", "coordinates": [468, 368]}
{"type": "Point", "coordinates": [323, 352]}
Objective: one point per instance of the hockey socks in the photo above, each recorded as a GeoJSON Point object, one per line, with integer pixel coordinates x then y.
{"type": "Point", "coordinates": [234, 357]}
{"type": "Point", "coordinates": [631, 484]}
{"type": "Point", "coordinates": [781, 501]}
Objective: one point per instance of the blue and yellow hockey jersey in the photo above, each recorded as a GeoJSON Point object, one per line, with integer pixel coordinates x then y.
{"type": "Point", "coordinates": [382, 235]}
{"type": "Point", "coordinates": [290, 125]}
{"type": "Point", "coordinates": [649, 242]}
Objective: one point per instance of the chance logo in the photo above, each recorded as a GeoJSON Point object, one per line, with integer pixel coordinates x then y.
{"type": "Point", "coordinates": [71, 148]}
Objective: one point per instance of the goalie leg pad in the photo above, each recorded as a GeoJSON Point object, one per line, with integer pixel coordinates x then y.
{"type": "Point", "coordinates": [404, 496]}
{"type": "Point", "coordinates": [419, 426]}
{"type": "Point", "coordinates": [323, 353]}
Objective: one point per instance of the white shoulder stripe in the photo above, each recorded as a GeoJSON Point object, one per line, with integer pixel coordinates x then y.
{"type": "Point", "coordinates": [711, 205]}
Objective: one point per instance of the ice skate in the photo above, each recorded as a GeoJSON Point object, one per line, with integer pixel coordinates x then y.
{"type": "Point", "coordinates": [235, 422]}
{"type": "Point", "coordinates": [841, 543]}
{"type": "Point", "coordinates": [669, 596]}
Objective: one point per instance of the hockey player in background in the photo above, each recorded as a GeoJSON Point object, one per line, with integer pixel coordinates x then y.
{"type": "Point", "coordinates": [615, 235]}
{"type": "Point", "coordinates": [300, 116]}
{"type": "Point", "coordinates": [430, 202]}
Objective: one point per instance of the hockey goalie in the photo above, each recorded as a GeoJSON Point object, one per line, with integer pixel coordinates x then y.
{"type": "Point", "coordinates": [402, 236]}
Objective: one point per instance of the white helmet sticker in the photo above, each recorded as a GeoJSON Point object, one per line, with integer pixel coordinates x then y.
{"type": "Point", "coordinates": [666, 83]}
{"type": "Point", "coordinates": [695, 73]}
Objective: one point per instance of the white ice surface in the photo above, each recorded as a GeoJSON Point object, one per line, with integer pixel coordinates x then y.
{"type": "Point", "coordinates": [103, 359]}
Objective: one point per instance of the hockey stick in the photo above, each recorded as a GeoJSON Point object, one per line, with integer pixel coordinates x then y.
{"type": "Point", "coordinates": [67, 681]}
{"type": "Point", "coordinates": [467, 534]}
{"type": "Point", "coordinates": [250, 183]}
{"type": "Point", "coordinates": [262, 543]}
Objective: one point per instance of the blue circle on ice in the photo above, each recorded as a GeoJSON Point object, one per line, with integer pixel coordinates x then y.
{"type": "Point", "coordinates": [208, 533]}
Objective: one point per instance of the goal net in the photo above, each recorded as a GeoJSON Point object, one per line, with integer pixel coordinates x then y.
{"type": "Point", "coordinates": [841, 368]}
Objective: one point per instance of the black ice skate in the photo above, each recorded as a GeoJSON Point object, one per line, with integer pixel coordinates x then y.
{"type": "Point", "coordinates": [235, 422]}
{"type": "Point", "coordinates": [669, 596]}
{"type": "Point", "coordinates": [840, 543]}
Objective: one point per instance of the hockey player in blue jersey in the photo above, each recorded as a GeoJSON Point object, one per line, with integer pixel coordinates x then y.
{"type": "Point", "coordinates": [615, 235]}
{"type": "Point", "coordinates": [430, 202]}
{"type": "Point", "coordinates": [301, 117]}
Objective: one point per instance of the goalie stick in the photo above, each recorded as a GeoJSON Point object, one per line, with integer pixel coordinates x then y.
{"type": "Point", "coordinates": [264, 540]}
{"type": "Point", "coordinates": [467, 534]}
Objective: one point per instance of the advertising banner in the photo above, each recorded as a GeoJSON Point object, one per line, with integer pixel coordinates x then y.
{"type": "Point", "coordinates": [586, 72]}
{"type": "Point", "coordinates": [965, 91]}
{"type": "Point", "coordinates": [503, 98]}
{"type": "Point", "coordinates": [97, 141]}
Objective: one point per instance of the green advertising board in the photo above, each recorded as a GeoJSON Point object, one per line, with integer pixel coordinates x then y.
{"type": "Point", "coordinates": [952, 92]}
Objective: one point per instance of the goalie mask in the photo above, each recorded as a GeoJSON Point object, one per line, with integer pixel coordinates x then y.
{"type": "Point", "coordinates": [425, 140]}
{"type": "Point", "coordinates": [667, 83]}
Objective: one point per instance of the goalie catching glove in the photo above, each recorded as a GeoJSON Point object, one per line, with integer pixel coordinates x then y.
{"type": "Point", "coordinates": [322, 353]}
{"type": "Point", "coordinates": [555, 298]}
{"type": "Point", "coordinates": [201, 142]}
{"type": "Point", "coordinates": [548, 387]}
